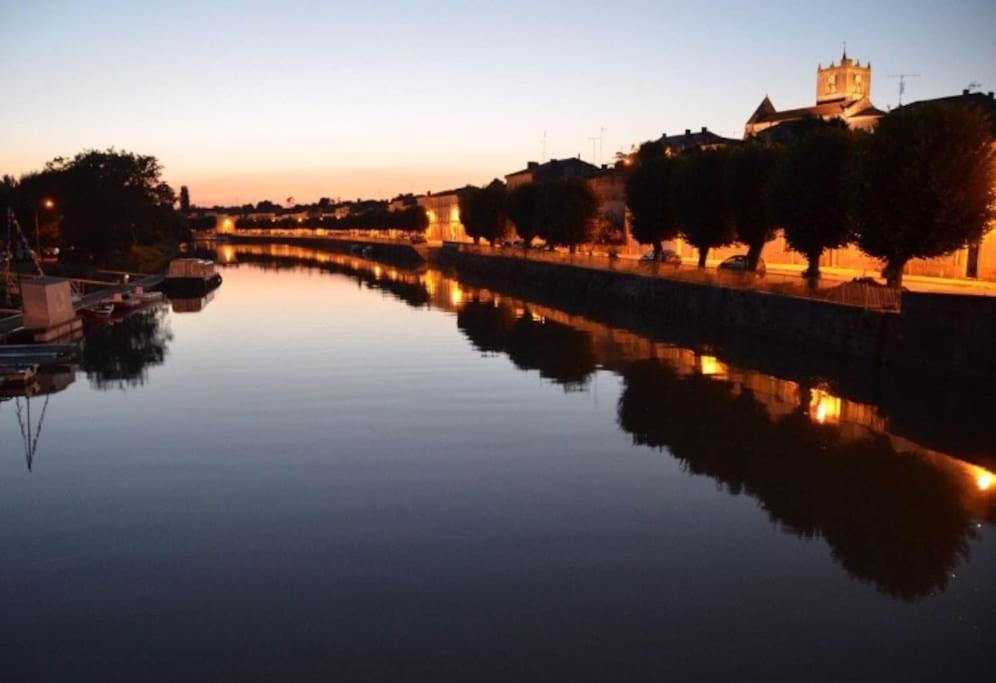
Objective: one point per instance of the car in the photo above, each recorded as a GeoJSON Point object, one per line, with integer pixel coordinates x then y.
{"type": "Point", "coordinates": [668, 256]}
{"type": "Point", "coordinates": [738, 263]}
{"type": "Point", "coordinates": [418, 239]}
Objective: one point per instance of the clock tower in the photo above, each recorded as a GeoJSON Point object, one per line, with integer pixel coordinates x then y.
{"type": "Point", "coordinates": [845, 82]}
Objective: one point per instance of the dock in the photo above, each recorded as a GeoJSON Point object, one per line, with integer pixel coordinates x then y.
{"type": "Point", "coordinates": [15, 323]}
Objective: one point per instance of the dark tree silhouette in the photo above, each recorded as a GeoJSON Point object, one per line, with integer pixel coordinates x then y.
{"type": "Point", "coordinates": [696, 190]}
{"type": "Point", "coordinates": [482, 212]}
{"type": "Point", "coordinates": [808, 192]}
{"type": "Point", "coordinates": [923, 184]}
{"type": "Point", "coordinates": [747, 186]}
{"type": "Point", "coordinates": [184, 199]}
{"type": "Point", "coordinates": [522, 207]}
{"type": "Point", "coordinates": [568, 208]}
{"type": "Point", "coordinates": [649, 198]}
{"type": "Point", "coordinates": [108, 201]}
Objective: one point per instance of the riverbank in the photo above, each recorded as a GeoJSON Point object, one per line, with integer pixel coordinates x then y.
{"type": "Point", "coordinates": [370, 247]}
{"type": "Point", "coordinates": [942, 334]}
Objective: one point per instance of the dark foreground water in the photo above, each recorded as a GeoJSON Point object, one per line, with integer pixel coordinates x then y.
{"type": "Point", "coordinates": [336, 470]}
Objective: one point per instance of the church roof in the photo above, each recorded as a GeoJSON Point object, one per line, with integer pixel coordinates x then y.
{"type": "Point", "coordinates": [766, 108]}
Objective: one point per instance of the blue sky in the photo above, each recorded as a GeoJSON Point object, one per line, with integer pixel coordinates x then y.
{"type": "Point", "coordinates": [250, 100]}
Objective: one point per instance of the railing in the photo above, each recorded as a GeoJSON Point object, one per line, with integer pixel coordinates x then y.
{"type": "Point", "coordinates": [858, 293]}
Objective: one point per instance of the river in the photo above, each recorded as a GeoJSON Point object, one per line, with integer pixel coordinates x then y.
{"type": "Point", "coordinates": [334, 469]}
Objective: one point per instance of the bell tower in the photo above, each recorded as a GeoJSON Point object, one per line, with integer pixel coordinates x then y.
{"type": "Point", "coordinates": [845, 82]}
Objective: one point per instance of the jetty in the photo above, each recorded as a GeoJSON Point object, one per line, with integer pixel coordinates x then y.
{"type": "Point", "coordinates": [102, 291]}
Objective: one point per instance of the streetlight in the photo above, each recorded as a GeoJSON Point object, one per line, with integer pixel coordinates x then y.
{"type": "Point", "coordinates": [46, 203]}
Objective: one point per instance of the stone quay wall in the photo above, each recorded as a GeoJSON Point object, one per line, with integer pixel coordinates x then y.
{"type": "Point", "coordinates": [938, 334]}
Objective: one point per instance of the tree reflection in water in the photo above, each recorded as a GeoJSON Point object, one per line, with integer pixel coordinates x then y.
{"type": "Point", "coordinates": [559, 352]}
{"type": "Point", "coordinates": [893, 513]}
{"type": "Point", "coordinates": [119, 355]}
{"type": "Point", "coordinates": [890, 518]}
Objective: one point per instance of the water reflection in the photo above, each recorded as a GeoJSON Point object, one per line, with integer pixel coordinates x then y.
{"type": "Point", "coordinates": [118, 355]}
{"type": "Point", "coordinates": [836, 459]}
{"type": "Point", "coordinates": [49, 380]}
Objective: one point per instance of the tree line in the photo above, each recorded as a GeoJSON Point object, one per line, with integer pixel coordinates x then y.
{"type": "Point", "coordinates": [100, 204]}
{"type": "Point", "coordinates": [561, 212]}
{"type": "Point", "coordinates": [920, 185]}
{"type": "Point", "coordinates": [411, 219]}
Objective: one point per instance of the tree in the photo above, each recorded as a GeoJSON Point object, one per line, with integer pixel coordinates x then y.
{"type": "Point", "coordinates": [568, 208]}
{"type": "Point", "coordinates": [923, 184]}
{"type": "Point", "coordinates": [412, 219]}
{"type": "Point", "coordinates": [522, 206]}
{"type": "Point", "coordinates": [747, 188]}
{"type": "Point", "coordinates": [482, 212]}
{"type": "Point", "coordinates": [184, 199]}
{"type": "Point", "coordinates": [108, 201]}
{"type": "Point", "coordinates": [808, 192]}
{"type": "Point", "coordinates": [468, 200]}
{"type": "Point", "coordinates": [650, 203]}
{"type": "Point", "coordinates": [696, 190]}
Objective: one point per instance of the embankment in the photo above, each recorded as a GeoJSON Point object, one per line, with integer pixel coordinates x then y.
{"type": "Point", "coordinates": [940, 334]}
{"type": "Point", "coordinates": [380, 250]}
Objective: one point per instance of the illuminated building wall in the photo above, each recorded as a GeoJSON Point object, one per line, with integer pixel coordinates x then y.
{"type": "Point", "coordinates": [443, 211]}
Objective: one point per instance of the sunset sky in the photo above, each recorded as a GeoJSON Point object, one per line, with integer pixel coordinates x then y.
{"type": "Point", "coordinates": [244, 101]}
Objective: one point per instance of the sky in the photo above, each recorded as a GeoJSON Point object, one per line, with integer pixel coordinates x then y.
{"type": "Point", "coordinates": [244, 101]}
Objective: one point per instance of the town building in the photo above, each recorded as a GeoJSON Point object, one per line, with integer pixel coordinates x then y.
{"type": "Point", "coordinates": [843, 91]}
{"type": "Point", "coordinates": [552, 170]}
{"type": "Point", "coordinates": [443, 211]}
{"type": "Point", "coordinates": [703, 139]}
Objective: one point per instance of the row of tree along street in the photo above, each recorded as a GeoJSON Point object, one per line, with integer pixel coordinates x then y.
{"type": "Point", "coordinates": [411, 219]}
{"type": "Point", "coordinates": [561, 212]}
{"type": "Point", "coordinates": [920, 186]}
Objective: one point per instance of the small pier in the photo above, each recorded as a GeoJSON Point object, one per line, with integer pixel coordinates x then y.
{"type": "Point", "coordinates": [102, 291]}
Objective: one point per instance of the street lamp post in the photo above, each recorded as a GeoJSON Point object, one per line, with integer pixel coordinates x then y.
{"type": "Point", "coordinates": [46, 203]}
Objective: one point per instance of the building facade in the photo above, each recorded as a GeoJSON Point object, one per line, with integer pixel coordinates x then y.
{"type": "Point", "coordinates": [443, 211]}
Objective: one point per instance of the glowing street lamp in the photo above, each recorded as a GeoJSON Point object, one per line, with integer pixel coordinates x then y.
{"type": "Point", "coordinates": [47, 203]}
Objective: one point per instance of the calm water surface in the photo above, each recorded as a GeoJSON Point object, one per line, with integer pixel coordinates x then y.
{"type": "Point", "coordinates": [339, 470]}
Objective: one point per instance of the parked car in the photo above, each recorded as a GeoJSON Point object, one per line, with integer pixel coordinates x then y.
{"type": "Point", "coordinates": [418, 239]}
{"type": "Point", "coordinates": [668, 256]}
{"type": "Point", "coordinates": [739, 263]}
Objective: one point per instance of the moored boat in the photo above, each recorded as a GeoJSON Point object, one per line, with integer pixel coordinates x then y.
{"type": "Point", "coordinates": [192, 276]}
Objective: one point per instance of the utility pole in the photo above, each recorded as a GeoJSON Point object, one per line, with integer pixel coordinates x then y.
{"type": "Point", "coordinates": [902, 83]}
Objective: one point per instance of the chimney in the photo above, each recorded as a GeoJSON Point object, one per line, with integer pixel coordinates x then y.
{"type": "Point", "coordinates": [990, 93]}
{"type": "Point", "coordinates": [532, 165]}
{"type": "Point", "coordinates": [688, 131]}
{"type": "Point", "coordinates": [704, 129]}
{"type": "Point", "coordinates": [965, 91]}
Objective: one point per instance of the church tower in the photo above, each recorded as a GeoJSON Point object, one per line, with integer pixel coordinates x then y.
{"type": "Point", "coordinates": [845, 82]}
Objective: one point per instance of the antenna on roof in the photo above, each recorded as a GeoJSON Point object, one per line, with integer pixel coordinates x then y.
{"type": "Point", "coordinates": [974, 85]}
{"type": "Point", "coordinates": [902, 83]}
{"type": "Point", "coordinates": [601, 138]}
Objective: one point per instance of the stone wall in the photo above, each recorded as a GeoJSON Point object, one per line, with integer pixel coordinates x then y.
{"type": "Point", "coordinates": [943, 334]}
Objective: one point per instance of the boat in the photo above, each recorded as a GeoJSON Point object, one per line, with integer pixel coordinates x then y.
{"type": "Point", "coordinates": [20, 355]}
{"type": "Point", "coordinates": [146, 297]}
{"type": "Point", "coordinates": [191, 276]}
{"type": "Point", "coordinates": [125, 303]}
{"type": "Point", "coordinates": [101, 311]}
{"type": "Point", "coordinates": [12, 376]}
